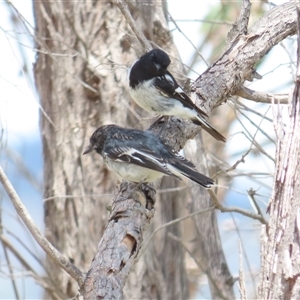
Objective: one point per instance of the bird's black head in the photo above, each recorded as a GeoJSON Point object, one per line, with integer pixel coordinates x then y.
{"type": "Point", "coordinates": [156, 61]}
{"type": "Point", "coordinates": [151, 64]}
{"type": "Point", "coordinates": [98, 139]}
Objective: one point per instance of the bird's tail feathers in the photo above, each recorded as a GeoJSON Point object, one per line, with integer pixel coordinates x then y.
{"type": "Point", "coordinates": [182, 170]}
{"type": "Point", "coordinates": [209, 129]}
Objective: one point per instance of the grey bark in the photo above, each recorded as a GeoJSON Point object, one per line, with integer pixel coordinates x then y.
{"type": "Point", "coordinates": [280, 267]}
{"type": "Point", "coordinates": [236, 64]}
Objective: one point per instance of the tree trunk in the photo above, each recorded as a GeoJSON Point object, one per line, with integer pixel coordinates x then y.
{"type": "Point", "coordinates": [280, 269]}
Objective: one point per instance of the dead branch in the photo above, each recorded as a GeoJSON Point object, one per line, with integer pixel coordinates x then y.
{"type": "Point", "coordinates": [241, 211]}
{"type": "Point", "coordinates": [38, 236]}
{"type": "Point", "coordinates": [262, 97]}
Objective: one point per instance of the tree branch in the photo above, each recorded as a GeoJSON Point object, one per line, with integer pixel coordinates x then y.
{"type": "Point", "coordinates": [38, 236]}
{"type": "Point", "coordinates": [240, 26]}
{"type": "Point", "coordinates": [237, 62]}
{"type": "Point", "coordinates": [243, 212]}
{"type": "Point", "coordinates": [119, 245]}
{"type": "Point", "coordinates": [256, 96]}
{"type": "Point", "coordinates": [171, 223]}
{"type": "Point", "coordinates": [49, 286]}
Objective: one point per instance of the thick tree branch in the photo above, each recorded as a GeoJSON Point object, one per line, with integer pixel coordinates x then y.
{"type": "Point", "coordinates": [262, 97]}
{"type": "Point", "coordinates": [237, 62]}
{"type": "Point", "coordinates": [38, 236]}
{"type": "Point", "coordinates": [240, 26]}
{"type": "Point", "coordinates": [119, 245]}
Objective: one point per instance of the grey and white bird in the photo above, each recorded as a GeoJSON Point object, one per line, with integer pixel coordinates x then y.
{"type": "Point", "coordinates": [140, 156]}
{"type": "Point", "coordinates": [155, 89]}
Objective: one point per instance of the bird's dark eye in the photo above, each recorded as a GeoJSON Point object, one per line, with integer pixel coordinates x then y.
{"type": "Point", "coordinates": [152, 56]}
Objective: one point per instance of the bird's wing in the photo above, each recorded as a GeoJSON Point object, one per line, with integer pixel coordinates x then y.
{"type": "Point", "coordinates": [168, 87]}
{"type": "Point", "coordinates": [143, 157]}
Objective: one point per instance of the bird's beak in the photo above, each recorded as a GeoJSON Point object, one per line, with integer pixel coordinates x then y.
{"type": "Point", "coordinates": [88, 149]}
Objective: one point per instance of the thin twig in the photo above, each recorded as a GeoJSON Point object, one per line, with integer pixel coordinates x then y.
{"type": "Point", "coordinates": [251, 194]}
{"type": "Point", "coordinates": [234, 166]}
{"type": "Point", "coordinates": [205, 21]}
{"type": "Point", "coordinates": [258, 127]}
{"type": "Point", "coordinates": [246, 257]}
{"type": "Point", "coordinates": [253, 141]}
{"type": "Point", "coordinates": [169, 224]}
{"type": "Point", "coordinates": [242, 159]}
{"type": "Point", "coordinates": [246, 108]}
{"type": "Point", "coordinates": [30, 251]}
{"type": "Point", "coordinates": [55, 293]}
{"type": "Point", "coordinates": [195, 48]}
{"type": "Point", "coordinates": [139, 34]}
{"type": "Point", "coordinates": [61, 260]}
{"type": "Point", "coordinates": [11, 272]}
{"type": "Point", "coordinates": [243, 212]}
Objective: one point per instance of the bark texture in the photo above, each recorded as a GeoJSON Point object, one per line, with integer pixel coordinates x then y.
{"type": "Point", "coordinates": [236, 64]}
{"type": "Point", "coordinates": [280, 270]}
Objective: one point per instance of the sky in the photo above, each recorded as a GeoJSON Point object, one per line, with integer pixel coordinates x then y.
{"type": "Point", "coordinates": [19, 131]}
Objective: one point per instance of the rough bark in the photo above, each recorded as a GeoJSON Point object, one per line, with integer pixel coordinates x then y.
{"type": "Point", "coordinates": [280, 260]}
{"type": "Point", "coordinates": [162, 264]}
{"type": "Point", "coordinates": [237, 63]}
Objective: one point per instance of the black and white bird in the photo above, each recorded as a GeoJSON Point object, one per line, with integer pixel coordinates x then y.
{"type": "Point", "coordinates": [155, 89]}
{"type": "Point", "coordinates": [140, 156]}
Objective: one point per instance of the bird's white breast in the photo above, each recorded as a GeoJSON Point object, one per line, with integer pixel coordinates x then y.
{"type": "Point", "coordinates": [134, 173]}
{"type": "Point", "coordinates": [153, 100]}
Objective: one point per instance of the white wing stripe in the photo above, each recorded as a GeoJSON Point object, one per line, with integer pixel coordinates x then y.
{"type": "Point", "coordinates": [179, 90]}
{"type": "Point", "coordinates": [169, 79]}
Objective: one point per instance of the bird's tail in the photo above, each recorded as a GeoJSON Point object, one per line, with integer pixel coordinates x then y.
{"type": "Point", "coordinates": [209, 129]}
{"type": "Point", "coordinates": [192, 174]}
